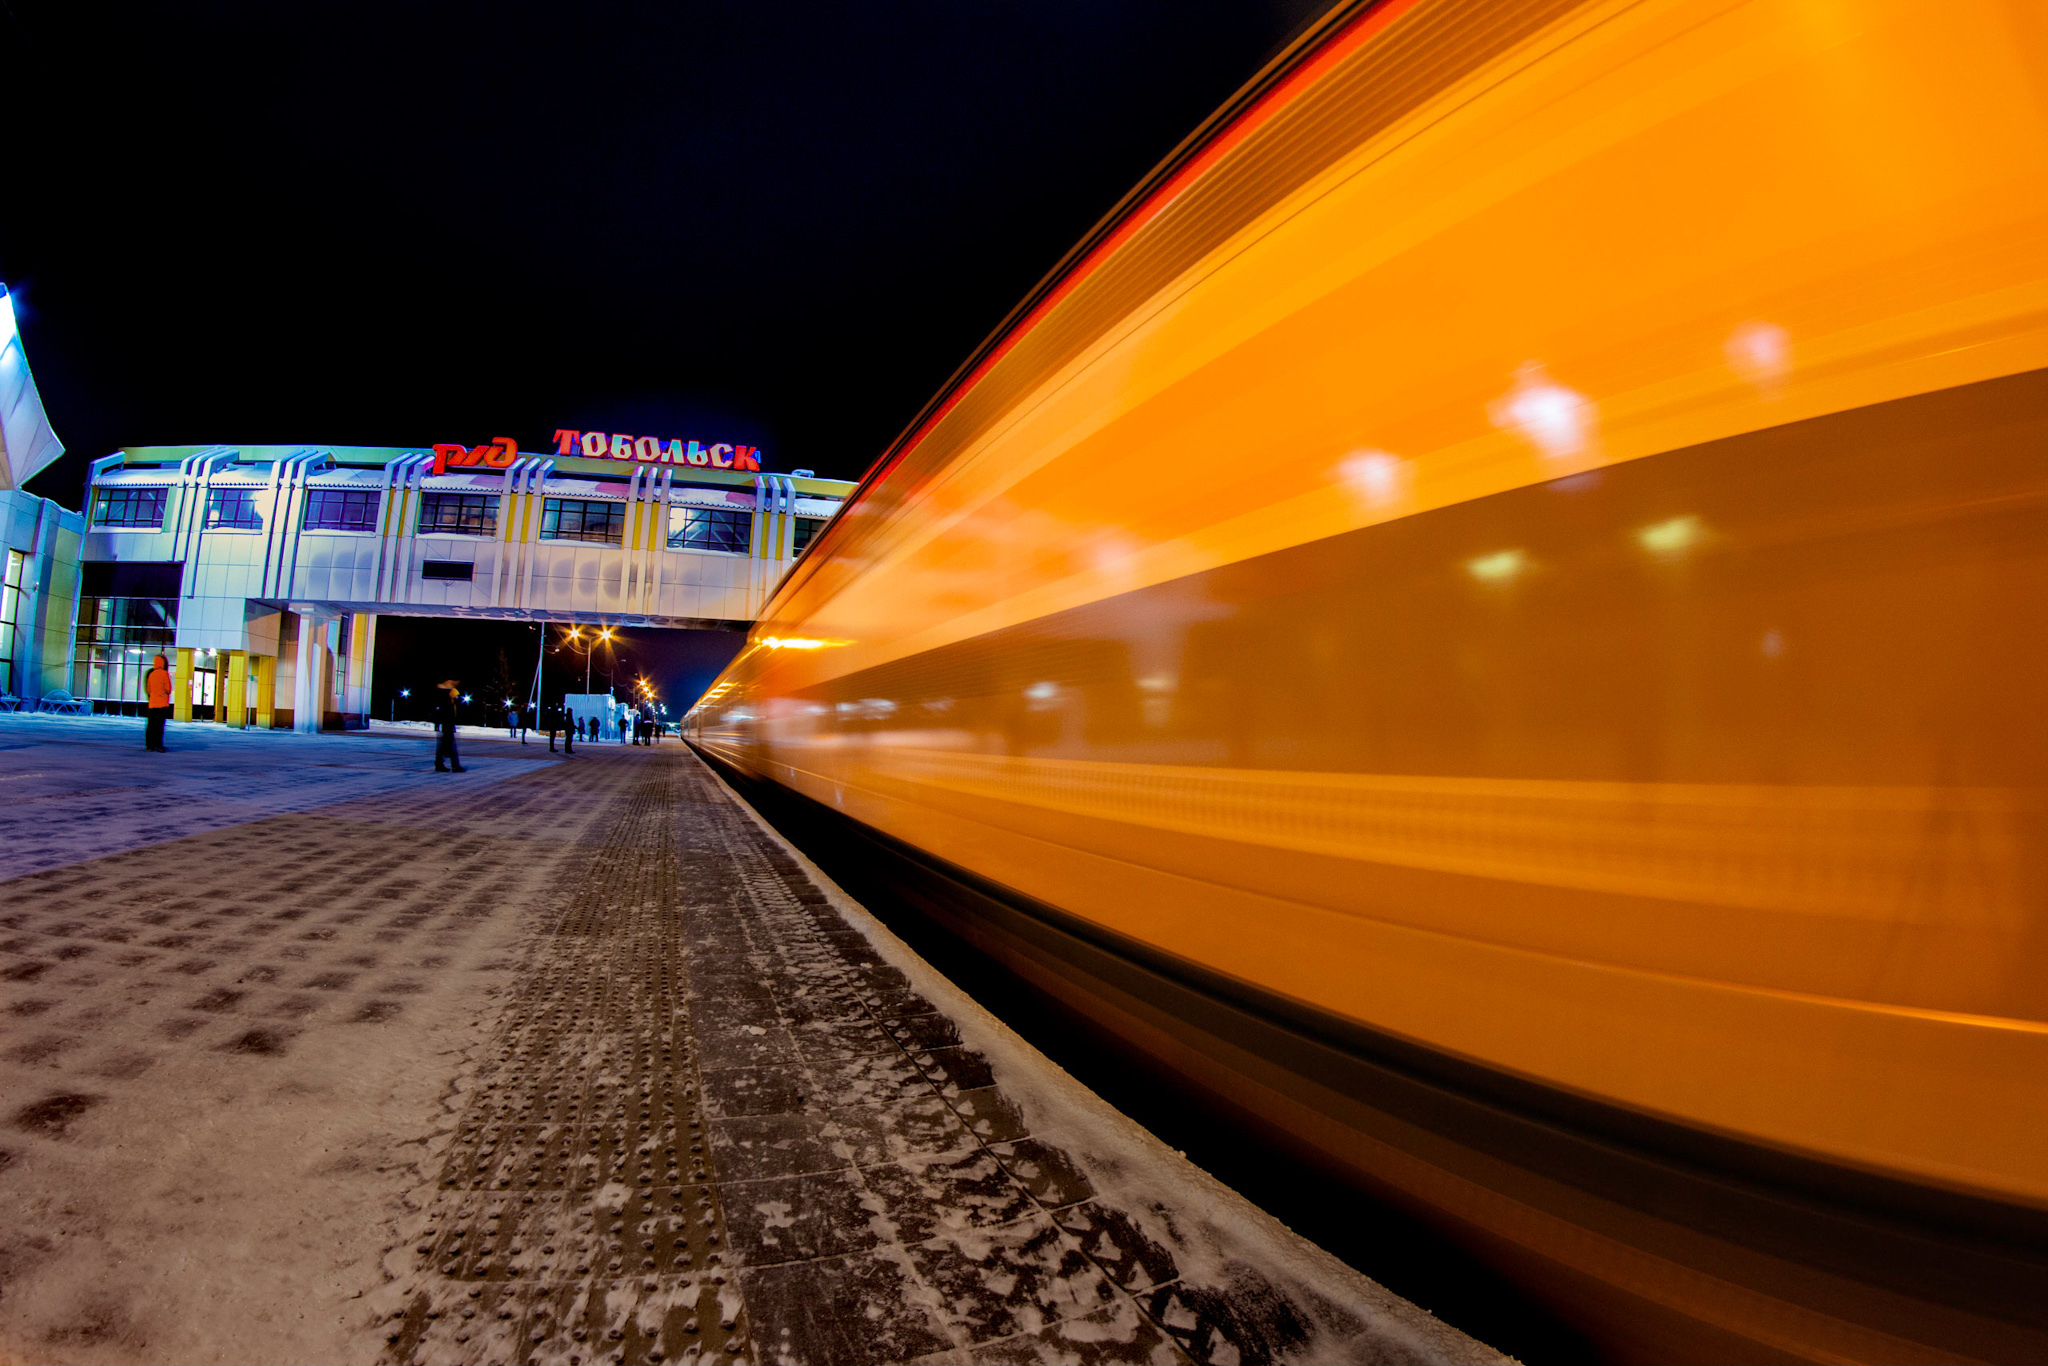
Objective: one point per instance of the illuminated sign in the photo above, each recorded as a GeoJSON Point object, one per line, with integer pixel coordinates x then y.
{"type": "Point", "coordinates": [495, 454]}
{"type": "Point", "coordinates": [645, 450]}
{"type": "Point", "coordinates": [652, 450]}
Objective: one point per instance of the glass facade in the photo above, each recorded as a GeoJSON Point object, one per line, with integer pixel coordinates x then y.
{"type": "Point", "coordinates": [724, 529]}
{"type": "Point", "coordinates": [233, 510]}
{"type": "Point", "coordinates": [117, 637]}
{"type": "Point", "coordinates": [806, 529]}
{"type": "Point", "coordinates": [459, 514]}
{"type": "Point", "coordinates": [10, 616]}
{"type": "Point", "coordinates": [583, 519]}
{"type": "Point", "coordinates": [129, 509]}
{"type": "Point", "coordinates": [342, 509]}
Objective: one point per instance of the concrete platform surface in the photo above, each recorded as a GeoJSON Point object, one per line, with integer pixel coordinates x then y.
{"type": "Point", "coordinates": [308, 1053]}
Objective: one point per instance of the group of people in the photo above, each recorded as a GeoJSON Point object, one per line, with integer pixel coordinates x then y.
{"type": "Point", "coordinates": [631, 729]}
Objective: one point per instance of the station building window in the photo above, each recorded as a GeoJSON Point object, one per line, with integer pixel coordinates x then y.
{"type": "Point", "coordinates": [10, 615]}
{"type": "Point", "coordinates": [129, 509]}
{"type": "Point", "coordinates": [127, 614]}
{"type": "Point", "coordinates": [232, 510]}
{"type": "Point", "coordinates": [583, 519]}
{"type": "Point", "coordinates": [342, 509]}
{"type": "Point", "coordinates": [807, 529]}
{"type": "Point", "coordinates": [725, 529]}
{"type": "Point", "coordinates": [459, 514]}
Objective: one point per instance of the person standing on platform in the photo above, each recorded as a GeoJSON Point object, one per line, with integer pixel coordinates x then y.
{"type": "Point", "coordinates": [569, 725]}
{"type": "Point", "coordinates": [157, 682]}
{"type": "Point", "coordinates": [511, 722]}
{"type": "Point", "coordinates": [445, 718]}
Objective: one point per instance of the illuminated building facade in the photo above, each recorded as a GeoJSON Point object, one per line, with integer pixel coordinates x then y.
{"type": "Point", "coordinates": [39, 541]}
{"type": "Point", "coordinates": [262, 569]}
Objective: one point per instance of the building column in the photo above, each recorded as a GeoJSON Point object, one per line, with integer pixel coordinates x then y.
{"type": "Point", "coordinates": [306, 677]}
{"type": "Point", "coordinates": [231, 706]}
{"type": "Point", "coordinates": [181, 684]}
{"type": "Point", "coordinates": [352, 667]}
{"type": "Point", "coordinates": [365, 655]}
{"type": "Point", "coordinates": [266, 691]}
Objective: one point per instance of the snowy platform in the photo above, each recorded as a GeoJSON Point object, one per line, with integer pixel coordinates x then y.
{"type": "Point", "coordinates": [311, 1054]}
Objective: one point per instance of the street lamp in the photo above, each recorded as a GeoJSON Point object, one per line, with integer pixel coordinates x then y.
{"type": "Point", "coordinates": [402, 692]}
{"type": "Point", "coordinates": [604, 635]}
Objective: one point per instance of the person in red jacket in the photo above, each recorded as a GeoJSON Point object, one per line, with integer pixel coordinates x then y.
{"type": "Point", "coordinates": [157, 682]}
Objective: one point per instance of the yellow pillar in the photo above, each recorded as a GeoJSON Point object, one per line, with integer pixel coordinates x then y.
{"type": "Point", "coordinates": [234, 694]}
{"type": "Point", "coordinates": [266, 691]}
{"type": "Point", "coordinates": [181, 686]}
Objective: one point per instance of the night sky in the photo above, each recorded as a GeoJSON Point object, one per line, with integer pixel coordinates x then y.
{"type": "Point", "coordinates": [395, 225]}
{"type": "Point", "coordinates": [402, 224]}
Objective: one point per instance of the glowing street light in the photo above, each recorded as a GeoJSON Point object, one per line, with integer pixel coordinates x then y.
{"type": "Point", "coordinates": [603, 636]}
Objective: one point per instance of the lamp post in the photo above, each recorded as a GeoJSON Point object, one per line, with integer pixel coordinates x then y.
{"type": "Point", "coordinates": [402, 692]}
{"type": "Point", "coordinates": [535, 695]}
{"type": "Point", "coordinates": [601, 635]}
{"type": "Point", "coordinates": [576, 634]}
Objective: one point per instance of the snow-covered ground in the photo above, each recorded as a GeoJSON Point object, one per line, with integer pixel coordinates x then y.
{"type": "Point", "coordinates": [80, 787]}
{"type": "Point", "coordinates": [235, 981]}
{"type": "Point", "coordinates": [308, 1053]}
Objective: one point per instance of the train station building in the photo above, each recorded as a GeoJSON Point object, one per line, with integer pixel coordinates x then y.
{"type": "Point", "coordinates": [261, 570]}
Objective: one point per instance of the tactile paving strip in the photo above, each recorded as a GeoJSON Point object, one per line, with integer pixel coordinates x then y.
{"type": "Point", "coordinates": [573, 1220]}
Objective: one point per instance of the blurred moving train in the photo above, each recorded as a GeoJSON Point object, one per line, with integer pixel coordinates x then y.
{"type": "Point", "coordinates": [1494, 616]}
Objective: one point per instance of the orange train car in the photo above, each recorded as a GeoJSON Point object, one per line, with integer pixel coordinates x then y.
{"type": "Point", "coordinates": [1494, 616]}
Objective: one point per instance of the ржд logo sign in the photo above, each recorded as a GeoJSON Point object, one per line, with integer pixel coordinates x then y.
{"type": "Point", "coordinates": [496, 454]}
